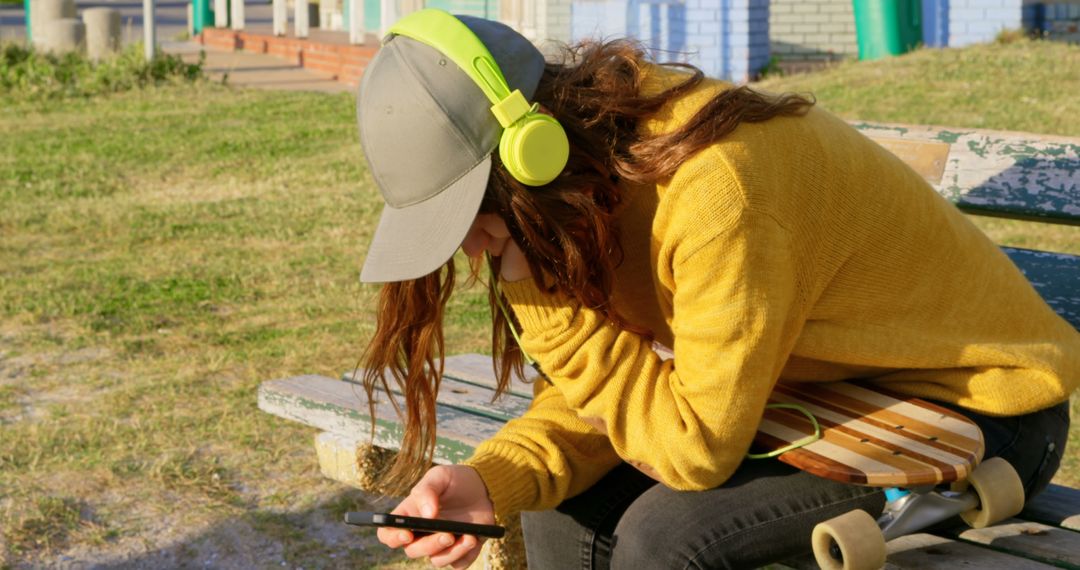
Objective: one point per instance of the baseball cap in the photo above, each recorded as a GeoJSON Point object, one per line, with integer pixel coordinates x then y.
{"type": "Point", "coordinates": [428, 133]}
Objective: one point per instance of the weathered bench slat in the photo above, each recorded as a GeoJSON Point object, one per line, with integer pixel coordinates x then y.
{"type": "Point", "coordinates": [1057, 505]}
{"type": "Point", "coordinates": [1056, 276]}
{"type": "Point", "coordinates": [473, 398]}
{"type": "Point", "coordinates": [931, 552]}
{"type": "Point", "coordinates": [996, 173]}
{"type": "Point", "coordinates": [476, 368]}
{"type": "Point", "coordinates": [340, 407]}
{"type": "Point", "coordinates": [925, 551]}
{"type": "Point", "coordinates": [1052, 545]}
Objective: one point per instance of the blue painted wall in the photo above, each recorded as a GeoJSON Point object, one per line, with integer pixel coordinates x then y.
{"type": "Point", "coordinates": [726, 38]}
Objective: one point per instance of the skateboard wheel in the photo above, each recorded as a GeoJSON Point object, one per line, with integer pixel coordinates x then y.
{"type": "Point", "coordinates": [851, 541]}
{"type": "Point", "coordinates": [1000, 493]}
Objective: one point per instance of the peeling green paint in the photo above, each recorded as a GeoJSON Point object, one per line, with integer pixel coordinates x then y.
{"type": "Point", "coordinates": [1055, 150]}
{"type": "Point", "coordinates": [385, 429]}
{"type": "Point", "coordinates": [978, 147]}
{"type": "Point", "coordinates": [1019, 149]}
{"type": "Point", "coordinates": [873, 127]}
{"type": "Point", "coordinates": [949, 136]}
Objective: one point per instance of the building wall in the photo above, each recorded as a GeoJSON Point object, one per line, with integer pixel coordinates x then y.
{"type": "Point", "coordinates": [725, 38]}
{"type": "Point", "coordinates": [728, 39]}
{"type": "Point", "coordinates": [976, 21]}
{"type": "Point", "coordinates": [802, 30]}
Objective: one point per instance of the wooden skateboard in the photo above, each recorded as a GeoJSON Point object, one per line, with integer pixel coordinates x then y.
{"type": "Point", "coordinates": [926, 457]}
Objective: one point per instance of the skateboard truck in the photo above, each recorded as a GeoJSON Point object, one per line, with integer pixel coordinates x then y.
{"type": "Point", "coordinates": [853, 541]}
{"type": "Point", "coordinates": [922, 507]}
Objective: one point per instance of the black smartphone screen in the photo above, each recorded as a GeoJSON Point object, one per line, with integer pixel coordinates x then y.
{"type": "Point", "coordinates": [365, 518]}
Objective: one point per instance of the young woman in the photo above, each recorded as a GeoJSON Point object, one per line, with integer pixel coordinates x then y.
{"type": "Point", "coordinates": [759, 237]}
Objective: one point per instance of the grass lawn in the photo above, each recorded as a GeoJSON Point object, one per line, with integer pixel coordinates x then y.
{"type": "Point", "coordinates": [163, 251]}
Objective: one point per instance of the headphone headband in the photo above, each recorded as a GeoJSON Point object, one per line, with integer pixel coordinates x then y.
{"type": "Point", "coordinates": [455, 40]}
{"type": "Point", "coordinates": [533, 146]}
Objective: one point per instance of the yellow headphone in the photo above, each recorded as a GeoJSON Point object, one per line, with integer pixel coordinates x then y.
{"type": "Point", "coordinates": [533, 147]}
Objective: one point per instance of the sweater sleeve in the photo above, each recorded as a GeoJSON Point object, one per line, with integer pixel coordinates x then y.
{"type": "Point", "coordinates": [688, 421]}
{"type": "Point", "coordinates": [543, 457]}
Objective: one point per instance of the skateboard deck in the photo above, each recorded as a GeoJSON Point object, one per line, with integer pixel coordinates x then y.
{"type": "Point", "coordinates": [870, 436]}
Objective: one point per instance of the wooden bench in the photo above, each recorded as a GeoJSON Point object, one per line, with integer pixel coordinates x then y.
{"type": "Point", "coordinates": [1010, 175]}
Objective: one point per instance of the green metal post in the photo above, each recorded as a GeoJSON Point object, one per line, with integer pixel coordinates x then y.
{"type": "Point", "coordinates": [29, 34]}
{"type": "Point", "coordinates": [202, 15]}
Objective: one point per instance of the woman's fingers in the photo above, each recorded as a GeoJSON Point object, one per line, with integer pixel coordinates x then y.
{"type": "Point", "coordinates": [425, 499]}
{"type": "Point", "coordinates": [429, 545]}
{"type": "Point", "coordinates": [463, 551]}
{"type": "Point", "coordinates": [394, 537]}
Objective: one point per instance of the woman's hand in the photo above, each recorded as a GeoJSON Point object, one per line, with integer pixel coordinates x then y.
{"type": "Point", "coordinates": [454, 492]}
{"type": "Point", "coordinates": [514, 267]}
{"type": "Point", "coordinates": [488, 233]}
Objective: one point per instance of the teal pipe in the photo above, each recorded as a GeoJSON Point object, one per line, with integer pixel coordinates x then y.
{"type": "Point", "coordinates": [29, 34]}
{"type": "Point", "coordinates": [202, 16]}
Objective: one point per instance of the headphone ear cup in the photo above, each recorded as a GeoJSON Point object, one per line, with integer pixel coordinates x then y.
{"type": "Point", "coordinates": [535, 149]}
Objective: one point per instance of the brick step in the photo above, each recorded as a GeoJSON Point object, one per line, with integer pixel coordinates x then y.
{"type": "Point", "coordinates": [345, 62]}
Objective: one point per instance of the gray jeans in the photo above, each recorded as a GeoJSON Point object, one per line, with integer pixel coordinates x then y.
{"type": "Point", "coordinates": [763, 514]}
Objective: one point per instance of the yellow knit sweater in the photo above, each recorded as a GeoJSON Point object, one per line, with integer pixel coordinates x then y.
{"type": "Point", "coordinates": [791, 250]}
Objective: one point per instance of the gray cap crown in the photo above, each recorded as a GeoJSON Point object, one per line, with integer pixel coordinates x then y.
{"type": "Point", "coordinates": [427, 132]}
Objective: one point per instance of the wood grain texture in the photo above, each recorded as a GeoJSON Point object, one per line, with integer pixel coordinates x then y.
{"type": "Point", "coordinates": [925, 551]}
{"type": "Point", "coordinates": [1057, 506]}
{"type": "Point", "coordinates": [871, 437]}
{"type": "Point", "coordinates": [1044, 543]}
{"type": "Point", "coordinates": [469, 397]}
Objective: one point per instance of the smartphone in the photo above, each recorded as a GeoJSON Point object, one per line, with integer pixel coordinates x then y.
{"type": "Point", "coordinates": [423, 526]}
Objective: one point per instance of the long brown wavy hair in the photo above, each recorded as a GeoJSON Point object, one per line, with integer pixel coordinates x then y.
{"type": "Point", "coordinates": [566, 229]}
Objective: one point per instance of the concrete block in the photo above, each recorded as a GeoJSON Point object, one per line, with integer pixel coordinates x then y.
{"type": "Point", "coordinates": [302, 18]}
{"type": "Point", "coordinates": [221, 13]}
{"type": "Point", "coordinates": [102, 32]}
{"type": "Point", "coordinates": [65, 35]}
{"type": "Point", "coordinates": [330, 15]}
{"type": "Point", "coordinates": [42, 12]}
{"type": "Point", "coordinates": [337, 457]}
